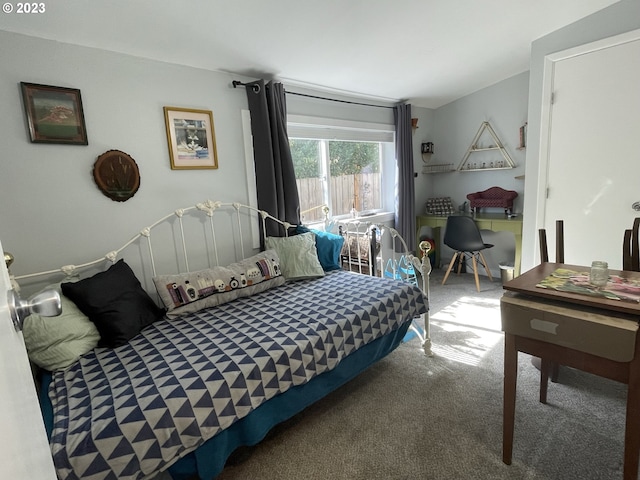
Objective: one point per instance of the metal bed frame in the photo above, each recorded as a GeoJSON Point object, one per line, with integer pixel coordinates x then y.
{"type": "Point", "coordinates": [217, 227]}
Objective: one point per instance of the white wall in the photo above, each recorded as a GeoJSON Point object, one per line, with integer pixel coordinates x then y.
{"type": "Point", "coordinates": [621, 17]}
{"type": "Point", "coordinates": [51, 212]}
{"type": "Point", "coordinates": [452, 127]}
{"type": "Point", "coordinates": [504, 106]}
{"type": "Point", "coordinates": [48, 194]}
{"type": "Point", "coordinates": [426, 132]}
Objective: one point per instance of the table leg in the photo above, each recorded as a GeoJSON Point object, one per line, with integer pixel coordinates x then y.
{"type": "Point", "coordinates": [632, 424]}
{"type": "Point", "coordinates": [435, 231]}
{"type": "Point", "coordinates": [545, 366]}
{"type": "Point", "coordinates": [509, 405]}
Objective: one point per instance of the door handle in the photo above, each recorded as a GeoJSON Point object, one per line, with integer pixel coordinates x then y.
{"type": "Point", "coordinates": [46, 303]}
{"type": "Point", "coordinates": [636, 206]}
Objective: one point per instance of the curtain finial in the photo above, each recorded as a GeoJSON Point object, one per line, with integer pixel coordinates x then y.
{"type": "Point", "coordinates": [254, 86]}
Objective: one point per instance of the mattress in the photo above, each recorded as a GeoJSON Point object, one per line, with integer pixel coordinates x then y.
{"type": "Point", "coordinates": [132, 411]}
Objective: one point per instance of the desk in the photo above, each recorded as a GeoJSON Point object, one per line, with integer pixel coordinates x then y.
{"type": "Point", "coordinates": [615, 319]}
{"type": "Point", "coordinates": [496, 222]}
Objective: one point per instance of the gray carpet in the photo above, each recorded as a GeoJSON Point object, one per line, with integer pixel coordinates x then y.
{"type": "Point", "coordinates": [414, 417]}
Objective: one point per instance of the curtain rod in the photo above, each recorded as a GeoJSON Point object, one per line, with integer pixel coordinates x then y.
{"type": "Point", "coordinates": [256, 89]}
{"type": "Point", "coordinates": [336, 100]}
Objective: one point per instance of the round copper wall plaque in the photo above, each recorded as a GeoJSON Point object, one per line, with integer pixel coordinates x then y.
{"type": "Point", "coordinates": [116, 175]}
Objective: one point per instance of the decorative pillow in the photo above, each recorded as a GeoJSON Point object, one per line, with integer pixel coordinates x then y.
{"type": "Point", "coordinates": [54, 343]}
{"type": "Point", "coordinates": [298, 256]}
{"type": "Point", "coordinates": [190, 292]}
{"type": "Point", "coordinates": [115, 302]}
{"type": "Point", "coordinates": [329, 246]}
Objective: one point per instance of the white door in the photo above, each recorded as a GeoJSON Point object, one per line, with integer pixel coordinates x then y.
{"type": "Point", "coordinates": [594, 159]}
{"type": "Point", "coordinates": [25, 452]}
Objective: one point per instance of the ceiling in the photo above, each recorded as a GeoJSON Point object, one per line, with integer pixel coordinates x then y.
{"type": "Point", "coordinates": [427, 52]}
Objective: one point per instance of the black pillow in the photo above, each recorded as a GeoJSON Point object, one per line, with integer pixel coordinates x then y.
{"type": "Point", "coordinates": [115, 302]}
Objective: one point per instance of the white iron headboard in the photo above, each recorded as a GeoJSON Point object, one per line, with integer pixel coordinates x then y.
{"type": "Point", "coordinates": [200, 236]}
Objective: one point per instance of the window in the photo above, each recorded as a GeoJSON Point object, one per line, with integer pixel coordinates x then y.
{"type": "Point", "coordinates": [344, 175]}
{"type": "Point", "coordinates": [345, 167]}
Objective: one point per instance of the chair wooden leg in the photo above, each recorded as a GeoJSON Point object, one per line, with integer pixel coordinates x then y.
{"type": "Point", "coordinates": [475, 271]}
{"type": "Point", "coordinates": [446, 275]}
{"type": "Point", "coordinates": [484, 263]}
{"type": "Point", "coordinates": [461, 259]}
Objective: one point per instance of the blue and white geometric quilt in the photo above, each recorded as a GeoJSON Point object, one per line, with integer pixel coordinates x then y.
{"type": "Point", "coordinates": [130, 412]}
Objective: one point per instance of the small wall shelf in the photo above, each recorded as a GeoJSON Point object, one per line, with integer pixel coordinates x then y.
{"type": "Point", "coordinates": [429, 167]}
{"type": "Point", "coordinates": [484, 149]}
{"type": "Point", "coordinates": [484, 169]}
{"type": "Point", "coordinates": [505, 164]}
{"type": "Point", "coordinates": [438, 168]}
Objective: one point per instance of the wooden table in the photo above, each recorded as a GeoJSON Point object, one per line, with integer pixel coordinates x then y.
{"type": "Point", "coordinates": [552, 350]}
{"type": "Point", "coordinates": [496, 222]}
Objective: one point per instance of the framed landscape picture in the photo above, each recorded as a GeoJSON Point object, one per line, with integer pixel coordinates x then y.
{"type": "Point", "coordinates": [54, 114]}
{"type": "Point", "coordinates": [191, 138]}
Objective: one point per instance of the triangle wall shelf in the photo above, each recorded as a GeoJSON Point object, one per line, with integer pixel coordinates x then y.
{"type": "Point", "coordinates": [505, 164]}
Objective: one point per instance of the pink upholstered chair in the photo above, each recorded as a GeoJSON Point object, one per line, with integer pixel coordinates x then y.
{"type": "Point", "coordinates": [493, 197]}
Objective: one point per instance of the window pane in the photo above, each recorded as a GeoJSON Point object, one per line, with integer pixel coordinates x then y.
{"type": "Point", "coordinates": [342, 174]}
{"type": "Point", "coordinates": [355, 176]}
{"type": "Point", "coordinates": [307, 163]}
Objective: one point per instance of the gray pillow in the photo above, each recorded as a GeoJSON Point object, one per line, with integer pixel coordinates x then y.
{"type": "Point", "coordinates": [298, 256]}
{"type": "Point", "coordinates": [190, 292]}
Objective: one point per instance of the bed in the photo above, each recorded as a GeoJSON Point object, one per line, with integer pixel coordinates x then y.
{"type": "Point", "coordinates": [220, 352]}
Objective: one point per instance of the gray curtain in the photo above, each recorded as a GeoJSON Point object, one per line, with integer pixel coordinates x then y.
{"type": "Point", "coordinates": [275, 178]}
{"type": "Point", "coordinates": [405, 216]}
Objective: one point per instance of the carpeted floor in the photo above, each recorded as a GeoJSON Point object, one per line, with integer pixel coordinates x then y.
{"type": "Point", "coordinates": [417, 417]}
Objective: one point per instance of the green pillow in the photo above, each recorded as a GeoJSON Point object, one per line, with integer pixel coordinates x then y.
{"type": "Point", "coordinates": [298, 256]}
{"type": "Point", "coordinates": [54, 343]}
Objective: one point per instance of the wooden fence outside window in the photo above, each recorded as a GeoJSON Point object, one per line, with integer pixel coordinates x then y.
{"type": "Point", "coordinates": [364, 188]}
